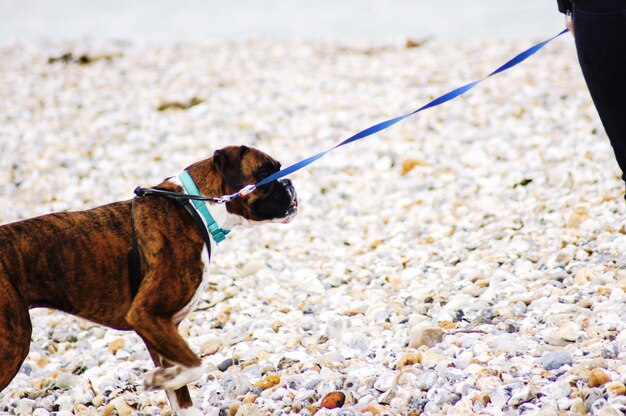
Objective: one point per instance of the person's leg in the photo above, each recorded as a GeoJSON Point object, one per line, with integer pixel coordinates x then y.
{"type": "Point", "coordinates": [600, 33]}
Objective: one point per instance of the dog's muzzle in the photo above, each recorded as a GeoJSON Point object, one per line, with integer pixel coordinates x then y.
{"type": "Point", "coordinates": [292, 210]}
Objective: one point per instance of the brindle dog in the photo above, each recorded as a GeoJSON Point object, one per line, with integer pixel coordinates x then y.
{"type": "Point", "coordinates": [78, 262]}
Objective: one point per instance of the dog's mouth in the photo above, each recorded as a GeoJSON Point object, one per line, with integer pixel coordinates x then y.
{"type": "Point", "coordinates": [280, 204]}
{"type": "Point", "coordinates": [292, 210]}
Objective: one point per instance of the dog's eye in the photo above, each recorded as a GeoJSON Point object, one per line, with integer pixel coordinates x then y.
{"type": "Point", "coordinates": [263, 175]}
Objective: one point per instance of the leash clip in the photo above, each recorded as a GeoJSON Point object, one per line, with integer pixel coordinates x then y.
{"type": "Point", "coordinates": [246, 190]}
{"type": "Point", "coordinates": [243, 192]}
{"type": "Point", "coordinates": [226, 198]}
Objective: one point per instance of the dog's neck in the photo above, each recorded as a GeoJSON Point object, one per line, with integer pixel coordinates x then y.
{"type": "Point", "coordinates": [224, 218]}
{"type": "Point", "coordinates": [220, 214]}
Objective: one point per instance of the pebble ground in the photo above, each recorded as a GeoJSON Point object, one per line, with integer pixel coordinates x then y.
{"type": "Point", "coordinates": [467, 261]}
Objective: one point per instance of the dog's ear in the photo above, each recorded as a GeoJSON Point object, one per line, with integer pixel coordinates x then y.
{"type": "Point", "coordinates": [228, 162]}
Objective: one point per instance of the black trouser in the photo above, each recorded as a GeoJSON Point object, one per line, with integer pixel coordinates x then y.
{"type": "Point", "coordinates": [600, 33]}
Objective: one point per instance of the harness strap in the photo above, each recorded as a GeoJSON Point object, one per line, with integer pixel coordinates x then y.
{"type": "Point", "coordinates": [219, 234]}
{"type": "Point", "coordinates": [196, 217]}
{"type": "Point", "coordinates": [134, 266]}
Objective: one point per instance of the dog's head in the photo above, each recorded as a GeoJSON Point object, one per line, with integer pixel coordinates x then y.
{"type": "Point", "coordinates": [239, 166]}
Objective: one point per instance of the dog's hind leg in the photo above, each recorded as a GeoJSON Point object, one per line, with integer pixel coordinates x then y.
{"type": "Point", "coordinates": [15, 331]}
{"type": "Point", "coordinates": [180, 400]}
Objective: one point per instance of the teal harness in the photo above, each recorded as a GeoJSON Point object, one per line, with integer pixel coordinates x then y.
{"type": "Point", "coordinates": [218, 234]}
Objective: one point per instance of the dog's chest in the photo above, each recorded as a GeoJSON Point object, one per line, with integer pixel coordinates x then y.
{"type": "Point", "coordinates": [181, 314]}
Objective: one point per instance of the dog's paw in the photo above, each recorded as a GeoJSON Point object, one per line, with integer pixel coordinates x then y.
{"type": "Point", "coordinates": [171, 378]}
{"type": "Point", "coordinates": [156, 379]}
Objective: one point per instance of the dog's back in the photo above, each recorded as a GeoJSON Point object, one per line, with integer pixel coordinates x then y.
{"type": "Point", "coordinates": [50, 260]}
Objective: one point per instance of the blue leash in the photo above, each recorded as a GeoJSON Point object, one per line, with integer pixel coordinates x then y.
{"type": "Point", "coordinates": [388, 123]}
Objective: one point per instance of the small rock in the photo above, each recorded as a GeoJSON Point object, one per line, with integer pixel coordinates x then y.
{"type": "Point", "coordinates": [555, 360]}
{"type": "Point", "coordinates": [564, 403]}
{"type": "Point", "coordinates": [569, 331]}
{"type": "Point", "coordinates": [268, 381]}
{"type": "Point", "coordinates": [375, 409]}
{"type": "Point", "coordinates": [98, 400]}
{"type": "Point", "coordinates": [388, 397]}
{"type": "Point", "coordinates": [67, 380]}
{"type": "Point", "coordinates": [210, 347]}
{"type": "Point", "coordinates": [233, 407]}
{"type": "Point", "coordinates": [488, 383]}
{"type": "Point", "coordinates": [557, 390]}
{"type": "Point", "coordinates": [108, 410]}
{"type": "Point", "coordinates": [526, 298]}
{"type": "Point", "coordinates": [598, 377]}
{"type": "Point", "coordinates": [180, 105]}
{"type": "Point", "coordinates": [406, 380]}
{"type": "Point", "coordinates": [577, 406]}
{"type": "Point", "coordinates": [416, 406]}
{"type": "Point", "coordinates": [463, 407]}
{"type": "Point", "coordinates": [268, 368]}
{"type": "Point", "coordinates": [351, 383]}
{"type": "Point", "coordinates": [80, 410]}
{"type": "Point", "coordinates": [611, 351]}
{"type": "Point", "coordinates": [426, 380]}
{"type": "Point", "coordinates": [407, 360]}
{"type": "Point", "coordinates": [278, 394]}
{"type": "Point", "coordinates": [285, 362]}
{"type": "Point", "coordinates": [336, 327]}
{"type": "Point", "coordinates": [592, 396]}
{"type": "Point", "coordinates": [226, 364]}
{"type": "Point", "coordinates": [41, 412]}
{"type": "Point", "coordinates": [62, 335]}
{"type": "Point", "coordinates": [582, 277]}
{"type": "Point", "coordinates": [116, 345]}
{"type": "Point", "coordinates": [596, 406]}
{"type": "Point", "coordinates": [25, 407]}
{"type": "Point", "coordinates": [43, 361]}
{"type": "Point", "coordinates": [248, 410]}
{"type": "Point", "coordinates": [250, 398]}
{"type": "Point", "coordinates": [615, 388]}
{"type": "Point", "coordinates": [500, 397]}
{"type": "Point", "coordinates": [385, 382]}
{"type": "Point", "coordinates": [506, 343]}
{"type": "Point", "coordinates": [429, 337]}
{"type": "Point", "coordinates": [410, 164]}
{"type": "Point", "coordinates": [123, 409]}
{"type": "Point", "coordinates": [234, 384]}
{"type": "Point", "coordinates": [521, 396]}
{"type": "Point", "coordinates": [333, 400]}
{"type": "Point", "coordinates": [609, 411]}
{"type": "Point", "coordinates": [430, 359]}
{"type": "Point", "coordinates": [577, 217]}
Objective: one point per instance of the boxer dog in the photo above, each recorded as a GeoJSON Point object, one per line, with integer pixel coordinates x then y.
{"type": "Point", "coordinates": [80, 263]}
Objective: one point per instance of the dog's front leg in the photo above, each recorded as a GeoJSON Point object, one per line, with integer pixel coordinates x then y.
{"type": "Point", "coordinates": [172, 273]}
{"type": "Point", "coordinates": [149, 317]}
{"type": "Point", "coordinates": [180, 400]}
{"type": "Point", "coordinates": [161, 336]}
{"type": "Point", "coordinates": [152, 317]}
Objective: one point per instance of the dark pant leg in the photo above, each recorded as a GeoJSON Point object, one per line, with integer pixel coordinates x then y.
{"type": "Point", "coordinates": [600, 33]}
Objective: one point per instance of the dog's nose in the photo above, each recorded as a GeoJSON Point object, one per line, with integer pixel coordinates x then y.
{"type": "Point", "coordinates": [290, 189]}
